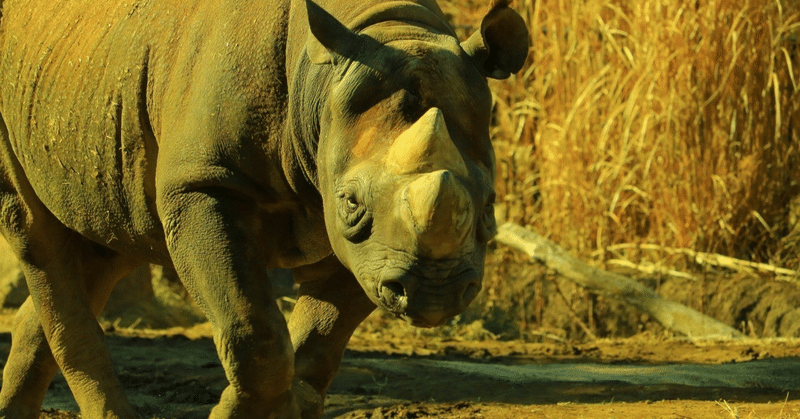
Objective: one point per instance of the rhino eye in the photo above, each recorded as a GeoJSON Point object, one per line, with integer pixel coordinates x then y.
{"type": "Point", "coordinates": [353, 214]}
{"type": "Point", "coordinates": [351, 204]}
{"type": "Point", "coordinates": [487, 227]}
{"type": "Point", "coordinates": [350, 208]}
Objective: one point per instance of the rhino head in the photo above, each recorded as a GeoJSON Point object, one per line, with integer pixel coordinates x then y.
{"type": "Point", "coordinates": [404, 161]}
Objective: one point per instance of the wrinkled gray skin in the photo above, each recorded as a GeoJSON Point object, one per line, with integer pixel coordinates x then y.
{"type": "Point", "coordinates": [227, 137]}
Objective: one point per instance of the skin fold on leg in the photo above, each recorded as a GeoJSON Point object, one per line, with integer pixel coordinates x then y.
{"type": "Point", "coordinates": [69, 279]}
{"type": "Point", "coordinates": [31, 364]}
{"type": "Point", "coordinates": [327, 312]}
{"type": "Point", "coordinates": [29, 369]}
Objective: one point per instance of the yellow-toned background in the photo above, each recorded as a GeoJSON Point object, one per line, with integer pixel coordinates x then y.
{"type": "Point", "coordinates": [637, 131]}
{"type": "Point", "coordinates": [670, 124]}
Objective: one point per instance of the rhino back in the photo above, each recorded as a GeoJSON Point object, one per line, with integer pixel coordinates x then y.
{"type": "Point", "coordinates": [89, 88]}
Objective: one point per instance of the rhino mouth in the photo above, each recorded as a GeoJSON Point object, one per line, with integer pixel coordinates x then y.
{"type": "Point", "coordinates": [425, 299]}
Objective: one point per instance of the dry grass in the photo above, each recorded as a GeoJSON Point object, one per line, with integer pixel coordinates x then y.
{"type": "Point", "coordinates": [668, 123]}
{"type": "Point", "coordinates": [659, 122]}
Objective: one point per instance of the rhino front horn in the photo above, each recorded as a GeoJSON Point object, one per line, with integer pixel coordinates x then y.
{"type": "Point", "coordinates": [424, 147]}
{"type": "Point", "coordinates": [438, 211]}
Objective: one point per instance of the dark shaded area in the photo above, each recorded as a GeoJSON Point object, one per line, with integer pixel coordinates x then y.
{"type": "Point", "coordinates": [175, 377]}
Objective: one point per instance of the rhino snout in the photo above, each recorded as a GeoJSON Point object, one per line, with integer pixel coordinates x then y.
{"type": "Point", "coordinates": [428, 302]}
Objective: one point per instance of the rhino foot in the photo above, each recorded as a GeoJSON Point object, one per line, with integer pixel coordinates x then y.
{"type": "Point", "coordinates": [235, 406]}
{"type": "Point", "coordinates": [310, 402]}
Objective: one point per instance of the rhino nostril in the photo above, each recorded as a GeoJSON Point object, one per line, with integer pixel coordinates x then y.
{"type": "Point", "coordinates": [396, 288]}
{"type": "Point", "coordinates": [393, 296]}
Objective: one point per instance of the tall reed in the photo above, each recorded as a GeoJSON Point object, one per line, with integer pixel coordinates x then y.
{"type": "Point", "coordinates": [655, 121]}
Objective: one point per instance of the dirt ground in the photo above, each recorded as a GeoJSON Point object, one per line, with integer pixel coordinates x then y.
{"type": "Point", "coordinates": [401, 373]}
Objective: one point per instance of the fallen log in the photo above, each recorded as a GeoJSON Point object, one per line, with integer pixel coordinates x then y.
{"type": "Point", "coordinates": [715, 260]}
{"type": "Point", "coordinates": [673, 316]}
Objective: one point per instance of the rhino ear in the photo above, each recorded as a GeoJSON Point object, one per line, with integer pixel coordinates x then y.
{"type": "Point", "coordinates": [500, 47]}
{"type": "Point", "coordinates": [328, 37]}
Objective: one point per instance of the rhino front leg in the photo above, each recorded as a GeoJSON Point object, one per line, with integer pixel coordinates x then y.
{"type": "Point", "coordinates": [215, 245]}
{"type": "Point", "coordinates": [330, 305]}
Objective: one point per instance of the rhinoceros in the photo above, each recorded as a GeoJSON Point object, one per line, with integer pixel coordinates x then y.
{"type": "Point", "coordinates": [345, 140]}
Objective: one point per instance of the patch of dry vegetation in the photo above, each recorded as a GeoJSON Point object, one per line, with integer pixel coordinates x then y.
{"type": "Point", "coordinates": [660, 122]}
{"type": "Point", "coordinates": [671, 124]}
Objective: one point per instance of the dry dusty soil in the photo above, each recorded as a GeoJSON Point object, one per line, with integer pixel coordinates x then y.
{"type": "Point", "coordinates": [176, 374]}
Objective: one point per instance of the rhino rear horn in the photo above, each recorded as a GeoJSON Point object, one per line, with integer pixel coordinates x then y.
{"type": "Point", "coordinates": [500, 47]}
{"type": "Point", "coordinates": [424, 147]}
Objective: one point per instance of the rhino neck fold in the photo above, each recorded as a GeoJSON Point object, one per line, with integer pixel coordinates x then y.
{"type": "Point", "coordinates": [358, 16]}
{"type": "Point", "coordinates": [300, 139]}
{"type": "Point", "coordinates": [426, 13]}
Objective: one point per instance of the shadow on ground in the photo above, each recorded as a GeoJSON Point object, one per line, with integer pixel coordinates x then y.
{"type": "Point", "coordinates": [175, 377]}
